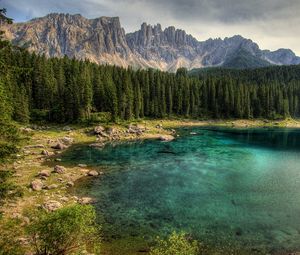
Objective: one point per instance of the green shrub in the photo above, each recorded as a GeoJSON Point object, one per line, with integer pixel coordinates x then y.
{"type": "Point", "coordinates": [100, 117]}
{"type": "Point", "coordinates": [9, 238]}
{"type": "Point", "coordinates": [176, 244]}
{"type": "Point", "coordinates": [68, 230]}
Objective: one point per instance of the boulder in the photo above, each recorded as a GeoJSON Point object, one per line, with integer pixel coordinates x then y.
{"type": "Point", "coordinates": [93, 173]}
{"type": "Point", "coordinates": [59, 169]}
{"type": "Point", "coordinates": [67, 140]}
{"type": "Point", "coordinates": [59, 146]}
{"type": "Point", "coordinates": [136, 129]}
{"type": "Point", "coordinates": [166, 138]}
{"type": "Point", "coordinates": [86, 200]}
{"type": "Point", "coordinates": [82, 165]}
{"type": "Point", "coordinates": [44, 173]}
{"type": "Point", "coordinates": [26, 130]}
{"type": "Point", "coordinates": [111, 131]}
{"type": "Point", "coordinates": [52, 205]}
{"type": "Point", "coordinates": [45, 152]}
{"type": "Point", "coordinates": [70, 184]}
{"type": "Point", "coordinates": [98, 130]}
{"type": "Point", "coordinates": [67, 128]}
{"type": "Point", "coordinates": [52, 186]}
{"type": "Point", "coordinates": [64, 199]}
{"type": "Point", "coordinates": [37, 185]}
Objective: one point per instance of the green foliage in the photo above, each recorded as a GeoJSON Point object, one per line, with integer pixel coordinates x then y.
{"type": "Point", "coordinates": [65, 231]}
{"type": "Point", "coordinates": [9, 139]}
{"type": "Point", "coordinates": [100, 117]}
{"type": "Point", "coordinates": [9, 235]}
{"type": "Point", "coordinates": [7, 188]}
{"type": "Point", "coordinates": [176, 244]}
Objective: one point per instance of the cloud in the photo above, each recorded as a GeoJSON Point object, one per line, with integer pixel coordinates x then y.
{"type": "Point", "coordinates": [271, 23]}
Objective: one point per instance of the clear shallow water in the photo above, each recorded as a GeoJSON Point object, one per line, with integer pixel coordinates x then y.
{"type": "Point", "coordinates": [238, 188]}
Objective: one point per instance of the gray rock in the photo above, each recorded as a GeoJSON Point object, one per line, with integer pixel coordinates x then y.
{"type": "Point", "coordinates": [52, 205]}
{"type": "Point", "coordinates": [67, 140]}
{"type": "Point", "coordinates": [67, 128]}
{"type": "Point", "coordinates": [44, 173]}
{"type": "Point", "coordinates": [37, 185]}
{"type": "Point", "coordinates": [45, 152]}
{"type": "Point", "coordinates": [98, 130]}
{"type": "Point", "coordinates": [52, 186]}
{"type": "Point", "coordinates": [59, 169]}
{"type": "Point", "coordinates": [97, 145]}
{"type": "Point", "coordinates": [82, 165]}
{"type": "Point", "coordinates": [86, 200]}
{"type": "Point", "coordinates": [70, 184]}
{"type": "Point", "coordinates": [166, 138]}
{"type": "Point", "coordinates": [59, 146]}
{"type": "Point", "coordinates": [93, 173]}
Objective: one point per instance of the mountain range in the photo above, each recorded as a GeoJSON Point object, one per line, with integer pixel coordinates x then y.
{"type": "Point", "coordinates": [104, 41]}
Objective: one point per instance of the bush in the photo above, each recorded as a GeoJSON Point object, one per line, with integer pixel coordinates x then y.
{"type": "Point", "coordinates": [176, 244]}
{"type": "Point", "coordinates": [67, 230]}
{"type": "Point", "coordinates": [9, 238]}
{"type": "Point", "coordinates": [100, 117]}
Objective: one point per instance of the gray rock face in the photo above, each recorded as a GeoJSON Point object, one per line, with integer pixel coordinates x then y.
{"type": "Point", "coordinates": [282, 57]}
{"type": "Point", "coordinates": [103, 40]}
{"type": "Point", "coordinates": [56, 35]}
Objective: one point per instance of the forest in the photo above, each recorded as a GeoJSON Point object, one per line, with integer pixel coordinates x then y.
{"type": "Point", "coordinates": [62, 90]}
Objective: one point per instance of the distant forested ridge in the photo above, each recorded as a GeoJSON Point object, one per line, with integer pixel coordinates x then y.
{"type": "Point", "coordinates": [66, 90]}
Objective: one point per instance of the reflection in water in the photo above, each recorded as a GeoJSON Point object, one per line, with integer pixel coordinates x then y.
{"type": "Point", "coordinates": [239, 187]}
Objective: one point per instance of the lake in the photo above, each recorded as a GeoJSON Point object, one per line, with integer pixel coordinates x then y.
{"type": "Point", "coordinates": [238, 188]}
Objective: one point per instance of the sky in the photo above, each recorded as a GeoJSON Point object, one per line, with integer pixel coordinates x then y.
{"type": "Point", "coordinates": [273, 24]}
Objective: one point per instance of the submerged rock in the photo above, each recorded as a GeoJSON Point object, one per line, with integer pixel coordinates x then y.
{"type": "Point", "coordinates": [97, 145]}
{"type": "Point", "coordinates": [166, 138]}
{"type": "Point", "coordinates": [86, 200]}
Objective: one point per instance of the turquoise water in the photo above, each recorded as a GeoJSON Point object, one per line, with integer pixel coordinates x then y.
{"type": "Point", "coordinates": [238, 188]}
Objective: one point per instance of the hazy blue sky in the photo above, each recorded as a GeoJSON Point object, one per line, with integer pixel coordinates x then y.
{"type": "Point", "coordinates": [272, 24]}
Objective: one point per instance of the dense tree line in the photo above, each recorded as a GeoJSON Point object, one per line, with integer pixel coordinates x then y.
{"type": "Point", "coordinates": [67, 90]}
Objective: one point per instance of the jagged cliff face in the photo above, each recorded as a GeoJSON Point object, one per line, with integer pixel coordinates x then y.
{"type": "Point", "coordinates": [103, 40]}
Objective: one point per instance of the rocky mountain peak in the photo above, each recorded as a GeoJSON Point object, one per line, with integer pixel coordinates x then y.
{"type": "Point", "coordinates": [103, 40]}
